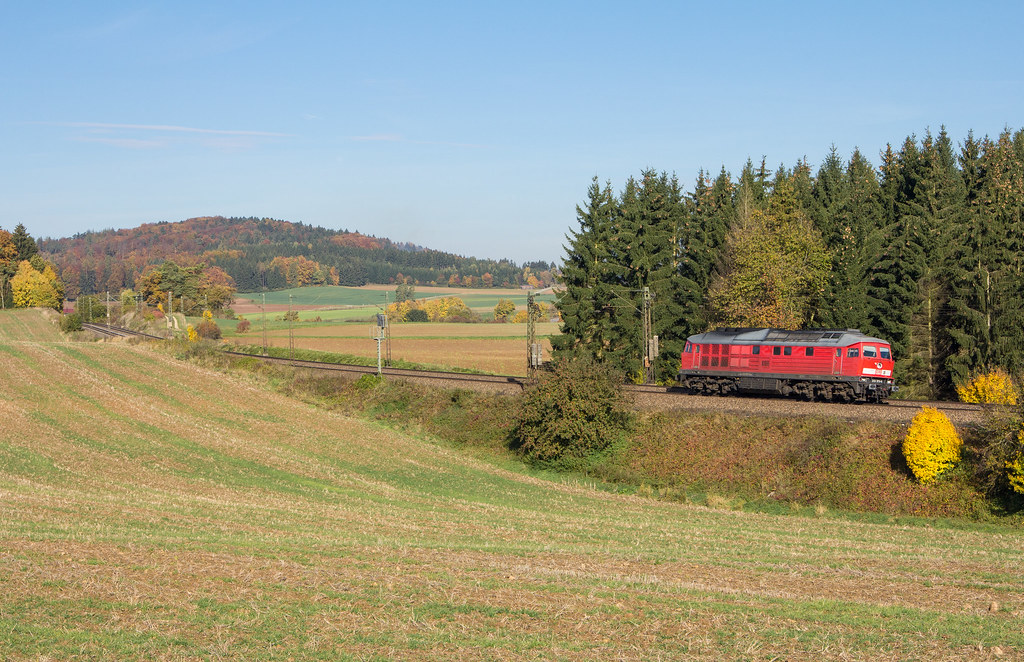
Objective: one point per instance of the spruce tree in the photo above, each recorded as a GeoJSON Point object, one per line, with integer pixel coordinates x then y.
{"type": "Point", "coordinates": [974, 256]}
{"type": "Point", "coordinates": [581, 304]}
{"type": "Point", "coordinates": [24, 244]}
{"type": "Point", "coordinates": [1004, 205]}
{"type": "Point", "coordinates": [859, 221]}
{"type": "Point", "coordinates": [892, 291]}
{"type": "Point", "coordinates": [672, 295]}
{"type": "Point", "coordinates": [933, 207]}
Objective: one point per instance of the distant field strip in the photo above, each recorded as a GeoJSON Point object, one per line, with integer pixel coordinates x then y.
{"type": "Point", "coordinates": [151, 509]}
{"type": "Point", "coordinates": [494, 348]}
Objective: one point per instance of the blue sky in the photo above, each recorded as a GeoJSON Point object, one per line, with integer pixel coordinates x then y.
{"type": "Point", "coordinates": [468, 127]}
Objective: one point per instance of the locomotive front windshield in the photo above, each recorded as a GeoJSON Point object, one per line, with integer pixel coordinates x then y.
{"type": "Point", "coordinates": [885, 352]}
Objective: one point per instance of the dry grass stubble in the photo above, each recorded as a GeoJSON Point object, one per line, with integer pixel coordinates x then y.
{"type": "Point", "coordinates": [150, 508]}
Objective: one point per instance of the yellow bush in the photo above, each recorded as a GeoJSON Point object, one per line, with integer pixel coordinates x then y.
{"type": "Point", "coordinates": [932, 444]}
{"type": "Point", "coordinates": [1015, 468]}
{"type": "Point", "coordinates": [397, 312]}
{"type": "Point", "coordinates": [994, 387]}
{"type": "Point", "coordinates": [193, 335]}
{"type": "Point", "coordinates": [437, 310]}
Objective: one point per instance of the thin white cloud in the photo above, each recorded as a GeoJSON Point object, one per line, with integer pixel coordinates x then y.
{"type": "Point", "coordinates": [170, 128]}
{"type": "Point", "coordinates": [129, 143]}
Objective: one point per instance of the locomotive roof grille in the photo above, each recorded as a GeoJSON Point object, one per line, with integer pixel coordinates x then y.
{"type": "Point", "coordinates": [784, 336]}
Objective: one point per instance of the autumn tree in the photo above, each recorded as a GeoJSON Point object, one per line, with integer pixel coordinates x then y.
{"type": "Point", "coordinates": [405, 292]}
{"type": "Point", "coordinates": [504, 310]}
{"type": "Point", "coordinates": [8, 267]}
{"type": "Point", "coordinates": [192, 288]}
{"type": "Point", "coordinates": [31, 287]}
{"type": "Point", "coordinates": [777, 267]}
{"type": "Point", "coordinates": [216, 288]}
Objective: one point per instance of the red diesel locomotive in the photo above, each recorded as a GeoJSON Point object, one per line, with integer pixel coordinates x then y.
{"type": "Point", "coordinates": [834, 365]}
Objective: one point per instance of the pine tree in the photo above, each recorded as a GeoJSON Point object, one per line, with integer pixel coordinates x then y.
{"type": "Point", "coordinates": [830, 192]}
{"type": "Point", "coordinates": [23, 243]}
{"type": "Point", "coordinates": [858, 243]}
{"type": "Point", "coordinates": [829, 199]}
{"type": "Point", "coordinates": [976, 248]}
{"type": "Point", "coordinates": [672, 295]}
{"type": "Point", "coordinates": [581, 304]}
{"type": "Point", "coordinates": [1004, 204]}
{"type": "Point", "coordinates": [934, 206]}
{"type": "Point", "coordinates": [892, 291]}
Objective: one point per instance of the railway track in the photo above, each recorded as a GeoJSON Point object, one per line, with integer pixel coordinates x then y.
{"type": "Point", "coordinates": [117, 332]}
{"type": "Point", "coordinates": [646, 396]}
{"type": "Point", "coordinates": [498, 382]}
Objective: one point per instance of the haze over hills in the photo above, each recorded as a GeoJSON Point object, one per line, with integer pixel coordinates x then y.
{"type": "Point", "coordinates": [264, 253]}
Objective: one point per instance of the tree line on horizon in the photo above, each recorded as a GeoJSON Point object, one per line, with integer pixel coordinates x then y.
{"type": "Point", "coordinates": [923, 251]}
{"type": "Point", "coordinates": [261, 254]}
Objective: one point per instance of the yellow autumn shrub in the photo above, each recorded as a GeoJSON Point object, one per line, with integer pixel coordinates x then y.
{"type": "Point", "coordinates": [932, 444]}
{"type": "Point", "coordinates": [1015, 467]}
{"type": "Point", "coordinates": [992, 387]}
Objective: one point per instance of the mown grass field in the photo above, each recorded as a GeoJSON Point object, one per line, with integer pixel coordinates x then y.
{"type": "Point", "coordinates": [152, 509]}
{"type": "Point", "coordinates": [494, 348]}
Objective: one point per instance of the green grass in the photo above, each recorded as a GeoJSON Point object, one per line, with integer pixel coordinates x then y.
{"type": "Point", "coordinates": [369, 300]}
{"type": "Point", "coordinates": [328, 295]}
{"type": "Point", "coordinates": [154, 508]}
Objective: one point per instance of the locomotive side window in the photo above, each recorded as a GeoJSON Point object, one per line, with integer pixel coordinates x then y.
{"type": "Point", "coordinates": [757, 349]}
{"type": "Point", "coordinates": [870, 352]}
{"type": "Point", "coordinates": [885, 352]}
{"type": "Point", "coordinates": [689, 348]}
{"type": "Point", "coordinates": [853, 352]}
{"type": "Point", "coordinates": [808, 351]}
{"type": "Point", "coordinates": [776, 351]}
{"type": "Point", "coordinates": [788, 351]}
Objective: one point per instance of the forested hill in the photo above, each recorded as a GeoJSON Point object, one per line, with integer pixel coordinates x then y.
{"type": "Point", "coordinates": [263, 253]}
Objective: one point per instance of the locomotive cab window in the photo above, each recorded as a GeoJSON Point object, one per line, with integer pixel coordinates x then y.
{"type": "Point", "coordinates": [853, 352]}
{"type": "Point", "coordinates": [870, 352]}
{"type": "Point", "coordinates": [689, 348]}
{"type": "Point", "coordinates": [885, 352]}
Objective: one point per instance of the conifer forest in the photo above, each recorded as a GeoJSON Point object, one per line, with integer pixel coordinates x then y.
{"type": "Point", "coordinates": [923, 250]}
